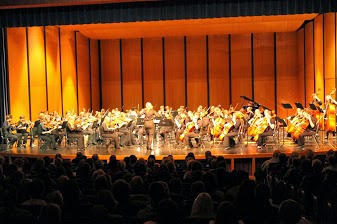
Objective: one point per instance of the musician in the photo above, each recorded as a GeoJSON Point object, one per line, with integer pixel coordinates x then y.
{"type": "Point", "coordinates": [110, 132]}
{"type": "Point", "coordinates": [22, 128]}
{"type": "Point", "coordinates": [310, 129]}
{"type": "Point", "coordinates": [195, 133]}
{"type": "Point", "coordinates": [179, 122]}
{"type": "Point", "coordinates": [7, 128]}
{"type": "Point", "coordinates": [330, 114]}
{"type": "Point", "coordinates": [149, 124]}
{"type": "Point", "coordinates": [45, 134]}
{"type": "Point", "coordinates": [127, 138]}
{"type": "Point", "coordinates": [74, 131]}
{"type": "Point", "coordinates": [268, 124]}
{"type": "Point", "coordinates": [234, 122]}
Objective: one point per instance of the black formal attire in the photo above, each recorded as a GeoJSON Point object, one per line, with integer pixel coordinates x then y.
{"type": "Point", "coordinates": [48, 138]}
{"type": "Point", "coordinates": [7, 132]}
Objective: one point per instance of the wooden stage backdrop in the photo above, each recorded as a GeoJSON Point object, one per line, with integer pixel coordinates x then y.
{"type": "Point", "coordinates": [54, 69]}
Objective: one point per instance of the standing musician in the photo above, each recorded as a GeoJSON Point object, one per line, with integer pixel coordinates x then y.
{"type": "Point", "coordinates": [109, 131]}
{"type": "Point", "coordinates": [25, 128]}
{"type": "Point", "coordinates": [265, 127]}
{"type": "Point", "coordinates": [7, 127]}
{"type": "Point", "coordinates": [149, 124]}
{"type": "Point", "coordinates": [330, 114]}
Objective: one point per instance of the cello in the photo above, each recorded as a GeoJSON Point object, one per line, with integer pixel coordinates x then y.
{"type": "Point", "coordinates": [330, 112]}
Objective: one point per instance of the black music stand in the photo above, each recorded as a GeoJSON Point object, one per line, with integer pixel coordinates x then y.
{"type": "Point", "coordinates": [299, 105]}
{"type": "Point", "coordinates": [166, 123]}
{"type": "Point", "coordinates": [140, 121]}
{"type": "Point", "coordinates": [287, 106]}
{"type": "Point", "coordinates": [313, 107]}
{"type": "Point", "coordinates": [174, 113]}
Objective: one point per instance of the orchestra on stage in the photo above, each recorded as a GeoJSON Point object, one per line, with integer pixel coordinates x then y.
{"type": "Point", "coordinates": [180, 127]}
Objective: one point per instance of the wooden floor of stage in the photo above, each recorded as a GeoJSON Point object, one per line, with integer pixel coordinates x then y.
{"type": "Point", "coordinates": [246, 149]}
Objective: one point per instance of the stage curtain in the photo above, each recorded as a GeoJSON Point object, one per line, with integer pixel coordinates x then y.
{"type": "Point", "coordinates": [318, 57]}
{"type": "Point", "coordinates": [309, 77]}
{"type": "Point", "coordinates": [329, 53]}
{"type": "Point", "coordinates": [95, 79]}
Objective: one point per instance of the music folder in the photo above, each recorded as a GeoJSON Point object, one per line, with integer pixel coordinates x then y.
{"type": "Point", "coordinates": [299, 105]}
{"type": "Point", "coordinates": [166, 123]}
{"type": "Point", "coordinates": [287, 106]}
{"type": "Point", "coordinates": [140, 121]}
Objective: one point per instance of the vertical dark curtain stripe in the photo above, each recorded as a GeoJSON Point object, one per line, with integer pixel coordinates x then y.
{"type": "Point", "coordinates": [164, 73]}
{"type": "Point", "coordinates": [4, 83]}
{"type": "Point", "coordinates": [230, 68]}
{"type": "Point", "coordinates": [313, 49]}
{"type": "Point", "coordinates": [100, 74]}
{"type": "Point", "coordinates": [60, 52]}
{"type": "Point", "coordinates": [45, 65]}
{"type": "Point", "coordinates": [29, 97]}
{"type": "Point", "coordinates": [207, 71]}
{"type": "Point", "coordinates": [185, 64]}
{"type": "Point", "coordinates": [252, 61]}
{"type": "Point", "coordinates": [76, 67]}
{"type": "Point", "coordinates": [275, 73]}
{"type": "Point", "coordinates": [90, 74]}
{"type": "Point", "coordinates": [335, 55]}
{"type": "Point", "coordinates": [142, 67]}
{"type": "Point", "coordinates": [323, 69]}
{"type": "Point", "coordinates": [304, 64]}
{"type": "Point", "coordinates": [121, 70]}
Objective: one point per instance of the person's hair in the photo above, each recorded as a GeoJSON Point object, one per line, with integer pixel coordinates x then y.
{"type": "Point", "coordinates": [55, 197]}
{"type": "Point", "coordinates": [36, 188]}
{"type": "Point", "coordinates": [106, 198]}
{"type": "Point", "coordinates": [95, 157]}
{"type": "Point", "coordinates": [202, 205]}
{"type": "Point", "coordinates": [137, 185]}
{"type": "Point", "coordinates": [197, 187]}
{"type": "Point", "coordinates": [168, 211]}
{"type": "Point", "coordinates": [175, 185]}
{"type": "Point", "coordinates": [156, 192]}
{"type": "Point", "coordinates": [121, 190]}
{"type": "Point", "coordinates": [289, 212]}
{"type": "Point", "coordinates": [226, 213]}
{"type": "Point", "coordinates": [50, 214]}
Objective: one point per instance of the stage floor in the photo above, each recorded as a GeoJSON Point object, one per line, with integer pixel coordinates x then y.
{"type": "Point", "coordinates": [245, 155]}
{"type": "Point", "coordinates": [246, 149]}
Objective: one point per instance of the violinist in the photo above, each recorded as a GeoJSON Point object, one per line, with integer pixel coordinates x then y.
{"type": "Point", "coordinates": [7, 128]}
{"type": "Point", "coordinates": [122, 123]}
{"type": "Point", "coordinates": [265, 128]}
{"type": "Point", "coordinates": [149, 124]}
{"type": "Point", "coordinates": [164, 130]}
{"type": "Point", "coordinates": [179, 122]}
{"type": "Point", "coordinates": [45, 134]}
{"type": "Point", "coordinates": [74, 131]}
{"type": "Point", "coordinates": [25, 128]}
{"type": "Point", "coordinates": [306, 127]}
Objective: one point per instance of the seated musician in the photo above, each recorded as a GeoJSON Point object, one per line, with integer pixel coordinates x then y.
{"type": "Point", "coordinates": [108, 131]}
{"type": "Point", "coordinates": [308, 126]}
{"type": "Point", "coordinates": [45, 134]}
{"type": "Point", "coordinates": [188, 135]}
{"type": "Point", "coordinates": [74, 131]}
{"type": "Point", "coordinates": [7, 128]}
{"type": "Point", "coordinates": [164, 130]}
{"type": "Point", "coordinates": [265, 128]}
{"type": "Point", "coordinates": [122, 123]}
{"type": "Point", "coordinates": [179, 121]}
{"type": "Point", "coordinates": [25, 128]}
{"type": "Point", "coordinates": [231, 129]}
{"type": "Point", "coordinates": [87, 122]}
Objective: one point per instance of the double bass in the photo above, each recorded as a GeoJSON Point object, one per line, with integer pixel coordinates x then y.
{"type": "Point", "coordinates": [330, 112]}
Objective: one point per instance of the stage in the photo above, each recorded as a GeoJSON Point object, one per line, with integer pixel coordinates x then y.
{"type": "Point", "coordinates": [245, 155]}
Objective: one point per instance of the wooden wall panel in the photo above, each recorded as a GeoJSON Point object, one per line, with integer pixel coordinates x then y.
{"type": "Point", "coordinates": [300, 69]}
{"type": "Point", "coordinates": [132, 73]}
{"type": "Point", "coordinates": [329, 53]}
{"type": "Point", "coordinates": [83, 72]}
{"type": "Point", "coordinates": [174, 72]}
{"type": "Point", "coordinates": [153, 71]}
{"type": "Point", "coordinates": [18, 72]}
{"type": "Point", "coordinates": [95, 83]}
{"type": "Point", "coordinates": [36, 58]}
{"type": "Point", "coordinates": [288, 77]}
{"type": "Point", "coordinates": [309, 64]}
{"type": "Point", "coordinates": [110, 68]}
{"type": "Point", "coordinates": [241, 58]}
{"type": "Point", "coordinates": [264, 83]}
{"type": "Point", "coordinates": [53, 69]}
{"type": "Point", "coordinates": [196, 72]}
{"type": "Point", "coordinates": [68, 71]}
{"type": "Point", "coordinates": [218, 52]}
{"type": "Point", "coordinates": [318, 56]}
{"type": "Point", "coordinates": [36, 54]}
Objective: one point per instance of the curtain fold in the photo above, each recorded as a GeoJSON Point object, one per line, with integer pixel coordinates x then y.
{"type": "Point", "coordinates": [4, 109]}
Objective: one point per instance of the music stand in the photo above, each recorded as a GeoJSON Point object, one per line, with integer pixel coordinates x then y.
{"type": "Point", "coordinates": [284, 124]}
{"type": "Point", "coordinates": [140, 121]}
{"type": "Point", "coordinates": [287, 106]}
{"type": "Point", "coordinates": [174, 113]}
{"type": "Point", "coordinates": [299, 105]}
{"type": "Point", "coordinates": [166, 123]}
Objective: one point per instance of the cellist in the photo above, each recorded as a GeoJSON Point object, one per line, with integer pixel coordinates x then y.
{"type": "Point", "coordinates": [267, 126]}
{"type": "Point", "coordinates": [330, 114]}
